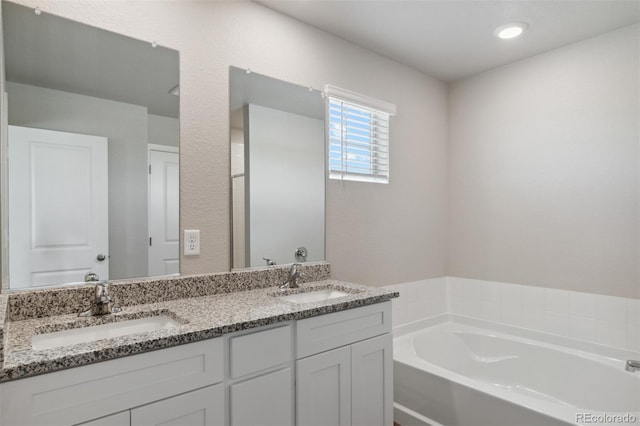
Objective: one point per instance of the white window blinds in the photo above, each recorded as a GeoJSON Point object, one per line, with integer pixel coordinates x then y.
{"type": "Point", "coordinates": [358, 136]}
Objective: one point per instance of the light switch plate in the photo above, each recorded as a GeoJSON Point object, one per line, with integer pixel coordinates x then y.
{"type": "Point", "coordinates": [191, 242]}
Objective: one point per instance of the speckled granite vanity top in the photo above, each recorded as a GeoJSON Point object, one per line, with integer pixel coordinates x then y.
{"type": "Point", "coordinates": [202, 317]}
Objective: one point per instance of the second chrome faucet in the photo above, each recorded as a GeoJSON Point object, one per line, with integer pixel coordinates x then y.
{"type": "Point", "coordinates": [294, 274]}
{"type": "Point", "coordinates": [102, 303]}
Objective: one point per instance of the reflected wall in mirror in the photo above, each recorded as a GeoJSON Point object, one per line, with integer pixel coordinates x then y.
{"type": "Point", "coordinates": [277, 170]}
{"type": "Point", "coordinates": [93, 146]}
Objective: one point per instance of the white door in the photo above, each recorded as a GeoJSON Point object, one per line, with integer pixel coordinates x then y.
{"type": "Point", "coordinates": [204, 407]}
{"type": "Point", "coordinates": [372, 381]}
{"type": "Point", "coordinates": [164, 208]}
{"type": "Point", "coordinates": [323, 389]}
{"type": "Point", "coordinates": [58, 207]}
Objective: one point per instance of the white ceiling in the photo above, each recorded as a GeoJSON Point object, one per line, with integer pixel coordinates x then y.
{"type": "Point", "coordinates": [452, 39]}
{"type": "Point", "coordinates": [48, 51]}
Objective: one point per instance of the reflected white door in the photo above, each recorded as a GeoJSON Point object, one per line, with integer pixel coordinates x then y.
{"type": "Point", "coordinates": [164, 207]}
{"type": "Point", "coordinates": [58, 207]}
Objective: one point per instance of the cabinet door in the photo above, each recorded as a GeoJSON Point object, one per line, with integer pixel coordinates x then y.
{"type": "Point", "coordinates": [204, 407]}
{"type": "Point", "coordinates": [263, 401]}
{"type": "Point", "coordinates": [372, 381]}
{"type": "Point", "coordinates": [120, 419]}
{"type": "Point", "coordinates": [324, 388]}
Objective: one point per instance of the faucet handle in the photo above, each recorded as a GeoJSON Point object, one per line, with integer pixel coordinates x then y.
{"type": "Point", "coordinates": [91, 277]}
{"type": "Point", "coordinates": [270, 262]}
{"type": "Point", "coordinates": [632, 365]}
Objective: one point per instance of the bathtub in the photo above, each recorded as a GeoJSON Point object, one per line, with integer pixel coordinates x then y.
{"type": "Point", "coordinates": [452, 373]}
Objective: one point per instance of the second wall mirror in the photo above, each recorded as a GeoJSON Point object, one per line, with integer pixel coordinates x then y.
{"type": "Point", "coordinates": [277, 171]}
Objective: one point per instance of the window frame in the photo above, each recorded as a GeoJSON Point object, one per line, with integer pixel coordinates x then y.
{"type": "Point", "coordinates": [377, 130]}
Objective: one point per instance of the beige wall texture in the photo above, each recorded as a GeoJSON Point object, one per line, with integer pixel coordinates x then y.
{"type": "Point", "coordinates": [376, 234]}
{"type": "Point", "coordinates": [543, 169]}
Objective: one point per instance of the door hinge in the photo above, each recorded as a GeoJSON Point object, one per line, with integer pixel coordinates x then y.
{"type": "Point", "coordinates": [150, 244]}
{"type": "Point", "coordinates": [149, 168]}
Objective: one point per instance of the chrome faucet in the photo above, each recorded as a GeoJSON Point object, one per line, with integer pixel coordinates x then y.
{"type": "Point", "coordinates": [102, 303]}
{"type": "Point", "coordinates": [294, 274]}
{"type": "Point", "coordinates": [632, 365]}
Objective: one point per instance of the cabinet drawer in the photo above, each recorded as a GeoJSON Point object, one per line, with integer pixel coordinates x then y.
{"type": "Point", "coordinates": [324, 332]}
{"type": "Point", "coordinates": [249, 353]}
{"type": "Point", "coordinates": [80, 394]}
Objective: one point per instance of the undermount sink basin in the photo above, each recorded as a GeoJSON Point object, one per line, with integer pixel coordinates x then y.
{"type": "Point", "coordinates": [314, 296]}
{"type": "Point", "coordinates": [75, 336]}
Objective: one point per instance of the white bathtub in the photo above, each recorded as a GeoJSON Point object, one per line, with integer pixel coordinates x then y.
{"type": "Point", "coordinates": [456, 374]}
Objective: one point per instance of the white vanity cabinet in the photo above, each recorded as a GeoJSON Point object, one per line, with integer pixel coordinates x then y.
{"type": "Point", "coordinates": [325, 370]}
{"type": "Point", "coordinates": [345, 368]}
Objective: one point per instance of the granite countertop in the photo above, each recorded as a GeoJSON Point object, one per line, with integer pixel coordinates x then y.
{"type": "Point", "coordinates": [200, 318]}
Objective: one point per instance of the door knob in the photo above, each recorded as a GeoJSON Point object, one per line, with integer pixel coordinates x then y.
{"type": "Point", "coordinates": [101, 257]}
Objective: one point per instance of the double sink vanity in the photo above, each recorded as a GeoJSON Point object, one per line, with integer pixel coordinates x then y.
{"type": "Point", "coordinates": [229, 348]}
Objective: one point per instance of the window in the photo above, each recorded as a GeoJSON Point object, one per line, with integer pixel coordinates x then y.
{"type": "Point", "coordinates": [358, 136]}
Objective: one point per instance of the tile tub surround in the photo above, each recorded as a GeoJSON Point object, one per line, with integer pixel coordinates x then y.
{"type": "Point", "coordinates": [605, 320]}
{"type": "Point", "coordinates": [66, 300]}
{"type": "Point", "coordinates": [201, 318]}
{"type": "Point", "coordinates": [419, 300]}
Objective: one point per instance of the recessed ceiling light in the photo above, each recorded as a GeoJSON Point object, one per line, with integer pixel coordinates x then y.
{"type": "Point", "coordinates": [511, 30]}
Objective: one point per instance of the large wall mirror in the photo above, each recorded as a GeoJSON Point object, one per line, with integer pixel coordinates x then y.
{"type": "Point", "coordinates": [92, 136]}
{"type": "Point", "coordinates": [277, 171]}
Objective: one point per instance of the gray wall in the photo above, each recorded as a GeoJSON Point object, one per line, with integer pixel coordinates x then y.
{"type": "Point", "coordinates": [543, 170]}
{"type": "Point", "coordinates": [126, 127]}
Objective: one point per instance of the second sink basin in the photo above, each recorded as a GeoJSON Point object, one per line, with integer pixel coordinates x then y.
{"type": "Point", "coordinates": [75, 336]}
{"type": "Point", "coordinates": [314, 296]}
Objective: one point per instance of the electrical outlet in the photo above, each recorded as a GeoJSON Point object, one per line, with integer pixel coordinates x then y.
{"type": "Point", "coordinates": [191, 242]}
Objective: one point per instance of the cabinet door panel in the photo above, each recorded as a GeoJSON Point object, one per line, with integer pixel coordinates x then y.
{"type": "Point", "coordinates": [120, 419]}
{"type": "Point", "coordinates": [263, 401]}
{"type": "Point", "coordinates": [372, 381]}
{"type": "Point", "coordinates": [324, 388]}
{"type": "Point", "coordinates": [204, 407]}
